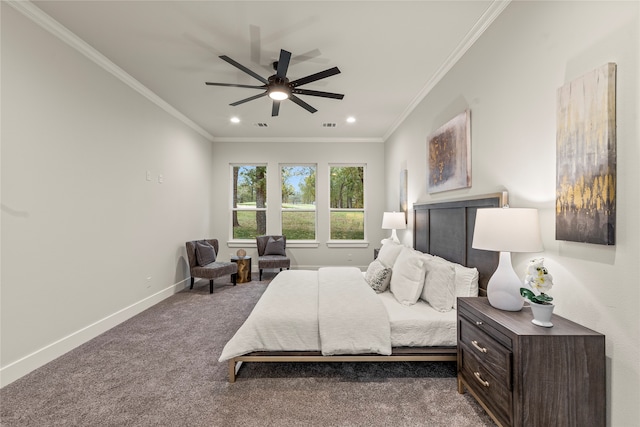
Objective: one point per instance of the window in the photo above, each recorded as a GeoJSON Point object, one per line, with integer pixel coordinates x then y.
{"type": "Point", "coordinates": [249, 211]}
{"type": "Point", "coordinates": [346, 198]}
{"type": "Point", "coordinates": [298, 202]}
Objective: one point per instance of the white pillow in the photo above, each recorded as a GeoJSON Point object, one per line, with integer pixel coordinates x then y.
{"type": "Point", "coordinates": [439, 285]}
{"type": "Point", "coordinates": [466, 281]}
{"type": "Point", "coordinates": [378, 276]}
{"type": "Point", "coordinates": [407, 279]}
{"type": "Point", "coordinates": [389, 252]}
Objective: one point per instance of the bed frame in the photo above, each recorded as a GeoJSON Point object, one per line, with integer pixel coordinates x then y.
{"type": "Point", "coordinates": [444, 229]}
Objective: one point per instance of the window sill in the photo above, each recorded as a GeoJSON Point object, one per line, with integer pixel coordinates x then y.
{"type": "Point", "coordinates": [347, 244]}
{"type": "Point", "coordinates": [241, 243]}
{"type": "Point", "coordinates": [303, 244]}
{"type": "Point", "coordinates": [290, 244]}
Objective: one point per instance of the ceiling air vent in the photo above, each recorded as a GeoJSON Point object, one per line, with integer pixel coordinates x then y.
{"type": "Point", "coordinates": [328, 125]}
{"type": "Point", "coordinates": [261, 125]}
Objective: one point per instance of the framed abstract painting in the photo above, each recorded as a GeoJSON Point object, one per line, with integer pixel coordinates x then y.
{"type": "Point", "coordinates": [586, 158]}
{"type": "Point", "coordinates": [449, 155]}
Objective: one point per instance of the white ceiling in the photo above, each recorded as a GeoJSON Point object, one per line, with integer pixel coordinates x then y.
{"type": "Point", "coordinates": [390, 53]}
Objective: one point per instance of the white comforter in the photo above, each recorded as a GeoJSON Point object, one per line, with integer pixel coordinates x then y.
{"type": "Point", "coordinates": [331, 310]}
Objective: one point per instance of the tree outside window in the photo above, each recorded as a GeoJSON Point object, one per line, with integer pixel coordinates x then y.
{"type": "Point", "coordinates": [347, 202]}
{"type": "Point", "coordinates": [298, 202]}
{"type": "Point", "coordinates": [249, 212]}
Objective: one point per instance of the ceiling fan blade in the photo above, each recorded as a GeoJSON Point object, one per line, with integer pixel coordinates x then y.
{"type": "Point", "coordinates": [243, 68]}
{"type": "Point", "coordinates": [283, 64]}
{"type": "Point", "coordinates": [317, 76]}
{"type": "Point", "coordinates": [235, 85]}
{"type": "Point", "coordinates": [303, 104]}
{"type": "Point", "coordinates": [318, 93]}
{"type": "Point", "coordinates": [307, 56]}
{"type": "Point", "coordinates": [251, 98]}
{"type": "Point", "coordinates": [275, 109]}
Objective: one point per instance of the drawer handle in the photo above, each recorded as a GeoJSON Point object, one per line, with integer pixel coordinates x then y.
{"type": "Point", "coordinates": [479, 378]}
{"type": "Point", "coordinates": [476, 345]}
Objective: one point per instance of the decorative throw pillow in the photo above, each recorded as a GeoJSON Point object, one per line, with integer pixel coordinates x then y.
{"type": "Point", "coordinates": [407, 279]}
{"type": "Point", "coordinates": [205, 253]}
{"type": "Point", "coordinates": [378, 276]}
{"type": "Point", "coordinates": [439, 286]}
{"type": "Point", "coordinates": [275, 247]}
{"type": "Point", "coordinates": [389, 252]}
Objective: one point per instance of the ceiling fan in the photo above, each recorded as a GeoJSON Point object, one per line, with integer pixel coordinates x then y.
{"type": "Point", "coordinates": [278, 86]}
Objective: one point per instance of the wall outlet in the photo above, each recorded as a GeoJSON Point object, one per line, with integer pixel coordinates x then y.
{"type": "Point", "coordinates": [148, 175]}
{"type": "Point", "coordinates": [148, 282]}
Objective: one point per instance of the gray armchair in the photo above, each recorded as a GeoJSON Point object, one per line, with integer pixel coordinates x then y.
{"type": "Point", "coordinates": [203, 264]}
{"type": "Point", "coordinates": [272, 253]}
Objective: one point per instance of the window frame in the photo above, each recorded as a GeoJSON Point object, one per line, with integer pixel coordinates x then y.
{"type": "Point", "coordinates": [281, 210]}
{"type": "Point", "coordinates": [241, 242]}
{"type": "Point", "coordinates": [351, 242]}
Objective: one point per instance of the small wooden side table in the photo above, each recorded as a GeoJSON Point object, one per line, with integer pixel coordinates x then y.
{"type": "Point", "coordinates": [244, 268]}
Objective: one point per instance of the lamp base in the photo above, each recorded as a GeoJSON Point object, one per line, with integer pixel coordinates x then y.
{"type": "Point", "coordinates": [503, 289]}
{"type": "Point", "coordinates": [394, 236]}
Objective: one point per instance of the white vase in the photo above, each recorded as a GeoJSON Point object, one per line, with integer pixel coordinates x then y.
{"type": "Point", "coordinates": [503, 289]}
{"type": "Point", "coordinates": [542, 314]}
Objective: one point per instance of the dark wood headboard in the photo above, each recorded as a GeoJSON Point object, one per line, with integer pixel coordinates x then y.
{"type": "Point", "coordinates": [446, 228]}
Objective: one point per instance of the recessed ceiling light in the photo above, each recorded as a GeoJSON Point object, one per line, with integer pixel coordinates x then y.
{"type": "Point", "coordinates": [234, 120]}
{"type": "Point", "coordinates": [351, 119]}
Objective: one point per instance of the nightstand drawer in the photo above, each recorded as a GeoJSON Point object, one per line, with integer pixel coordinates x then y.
{"type": "Point", "coordinates": [490, 353]}
{"type": "Point", "coordinates": [490, 390]}
{"type": "Point", "coordinates": [478, 320]}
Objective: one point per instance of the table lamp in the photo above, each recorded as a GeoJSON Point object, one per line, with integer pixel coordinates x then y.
{"type": "Point", "coordinates": [393, 221]}
{"type": "Point", "coordinates": [506, 230]}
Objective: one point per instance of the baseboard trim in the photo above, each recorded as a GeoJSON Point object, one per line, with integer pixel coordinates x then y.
{"type": "Point", "coordinates": [41, 357]}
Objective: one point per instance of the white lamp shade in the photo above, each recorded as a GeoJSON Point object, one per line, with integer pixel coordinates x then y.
{"type": "Point", "coordinates": [507, 230]}
{"type": "Point", "coordinates": [393, 221]}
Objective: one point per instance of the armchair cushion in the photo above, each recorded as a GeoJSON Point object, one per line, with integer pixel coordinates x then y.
{"type": "Point", "coordinates": [275, 247]}
{"type": "Point", "coordinates": [205, 253]}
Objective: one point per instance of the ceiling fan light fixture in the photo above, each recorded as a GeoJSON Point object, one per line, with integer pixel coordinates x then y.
{"type": "Point", "coordinates": [278, 93]}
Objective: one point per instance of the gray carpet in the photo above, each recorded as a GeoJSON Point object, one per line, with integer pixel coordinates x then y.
{"type": "Point", "coordinates": [160, 368]}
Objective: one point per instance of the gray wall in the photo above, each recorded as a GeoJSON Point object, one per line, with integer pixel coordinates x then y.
{"type": "Point", "coordinates": [82, 228]}
{"type": "Point", "coordinates": [508, 80]}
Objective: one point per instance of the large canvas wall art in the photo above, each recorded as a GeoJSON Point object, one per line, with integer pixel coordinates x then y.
{"type": "Point", "coordinates": [449, 155]}
{"type": "Point", "coordinates": [586, 158]}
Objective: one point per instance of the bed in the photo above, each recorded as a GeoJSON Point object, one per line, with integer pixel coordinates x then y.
{"type": "Point", "coordinates": [315, 323]}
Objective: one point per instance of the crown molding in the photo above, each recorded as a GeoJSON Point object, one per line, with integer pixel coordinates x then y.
{"type": "Point", "coordinates": [45, 21]}
{"type": "Point", "coordinates": [487, 18]}
{"type": "Point", "coordinates": [289, 139]}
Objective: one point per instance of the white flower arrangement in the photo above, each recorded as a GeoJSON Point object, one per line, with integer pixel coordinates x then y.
{"type": "Point", "coordinates": [538, 282]}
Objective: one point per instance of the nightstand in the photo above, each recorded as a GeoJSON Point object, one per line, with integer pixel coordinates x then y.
{"type": "Point", "coordinates": [526, 375]}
